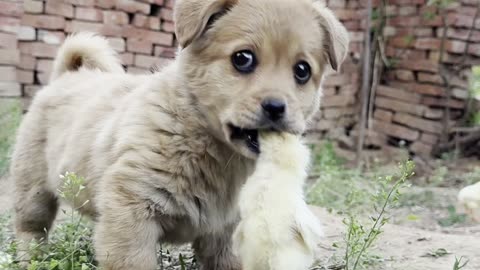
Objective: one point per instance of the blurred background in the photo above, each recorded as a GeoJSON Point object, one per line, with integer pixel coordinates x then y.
{"type": "Point", "coordinates": [409, 89]}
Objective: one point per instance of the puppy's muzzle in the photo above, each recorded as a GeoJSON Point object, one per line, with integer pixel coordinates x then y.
{"type": "Point", "coordinates": [274, 109]}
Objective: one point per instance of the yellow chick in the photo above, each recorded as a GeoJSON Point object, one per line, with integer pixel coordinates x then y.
{"type": "Point", "coordinates": [277, 229]}
{"type": "Point", "coordinates": [469, 199]}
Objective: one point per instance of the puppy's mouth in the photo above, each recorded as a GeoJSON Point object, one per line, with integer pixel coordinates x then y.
{"type": "Point", "coordinates": [247, 136]}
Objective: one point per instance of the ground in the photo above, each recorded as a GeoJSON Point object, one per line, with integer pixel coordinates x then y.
{"type": "Point", "coordinates": [425, 231]}
{"type": "Point", "coordinates": [402, 246]}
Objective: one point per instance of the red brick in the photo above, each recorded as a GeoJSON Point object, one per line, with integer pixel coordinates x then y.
{"type": "Point", "coordinates": [30, 90]}
{"type": "Point", "coordinates": [8, 41]}
{"type": "Point", "coordinates": [427, 43]}
{"type": "Point", "coordinates": [399, 106]}
{"type": "Point", "coordinates": [433, 113]}
{"type": "Point", "coordinates": [167, 52]}
{"type": "Point", "coordinates": [152, 36]}
{"type": "Point", "coordinates": [147, 22]}
{"type": "Point", "coordinates": [396, 131]}
{"type": "Point", "coordinates": [26, 33]}
{"type": "Point", "coordinates": [118, 44]}
{"type": "Point", "coordinates": [418, 123]}
{"type": "Point", "coordinates": [43, 77]}
{"type": "Point", "coordinates": [474, 49]}
{"type": "Point", "coordinates": [9, 56]}
{"type": "Point", "coordinates": [13, 9]}
{"type": "Point", "coordinates": [397, 93]}
{"type": "Point", "coordinates": [337, 80]}
{"type": "Point", "coordinates": [32, 6]}
{"type": "Point", "coordinates": [401, 42]}
{"type": "Point", "coordinates": [44, 66]}
{"type": "Point", "coordinates": [166, 14]}
{"type": "Point", "coordinates": [428, 89]}
{"type": "Point", "coordinates": [104, 29]}
{"type": "Point", "coordinates": [88, 14]}
{"type": "Point", "coordinates": [24, 76]}
{"type": "Point", "coordinates": [115, 17]}
{"type": "Point", "coordinates": [383, 115]}
{"type": "Point", "coordinates": [430, 78]}
{"type": "Point", "coordinates": [168, 27]}
{"type": "Point", "coordinates": [441, 102]}
{"type": "Point", "coordinates": [144, 61]}
{"type": "Point", "coordinates": [407, 10]}
{"type": "Point", "coordinates": [127, 58]}
{"type": "Point", "coordinates": [86, 3]}
{"type": "Point", "coordinates": [459, 93]}
{"type": "Point", "coordinates": [419, 65]}
{"type": "Point", "coordinates": [337, 101]}
{"type": "Point", "coordinates": [43, 21]}
{"type": "Point", "coordinates": [10, 89]}
{"type": "Point", "coordinates": [132, 6]}
{"type": "Point", "coordinates": [8, 74]}
{"type": "Point", "coordinates": [38, 49]}
{"type": "Point", "coordinates": [51, 37]}
{"type": "Point", "coordinates": [335, 113]}
{"type": "Point", "coordinates": [26, 62]}
{"type": "Point", "coordinates": [170, 3]}
{"type": "Point", "coordinates": [106, 4]}
{"type": "Point", "coordinates": [9, 24]}
{"type": "Point", "coordinates": [429, 138]}
{"type": "Point", "coordinates": [404, 75]}
{"type": "Point", "coordinates": [58, 7]}
{"type": "Point", "coordinates": [139, 46]}
{"type": "Point", "coordinates": [421, 148]}
{"type": "Point", "coordinates": [455, 46]}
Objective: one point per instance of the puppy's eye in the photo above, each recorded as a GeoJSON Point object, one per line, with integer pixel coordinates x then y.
{"type": "Point", "coordinates": [302, 72]}
{"type": "Point", "coordinates": [244, 61]}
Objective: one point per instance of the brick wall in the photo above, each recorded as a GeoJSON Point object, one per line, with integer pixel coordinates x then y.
{"type": "Point", "coordinates": [339, 109]}
{"type": "Point", "coordinates": [408, 105]}
{"type": "Point", "coordinates": [10, 12]}
{"type": "Point", "coordinates": [140, 31]}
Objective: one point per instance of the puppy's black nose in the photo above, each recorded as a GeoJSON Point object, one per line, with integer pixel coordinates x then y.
{"type": "Point", "coordinates": [274, 109]}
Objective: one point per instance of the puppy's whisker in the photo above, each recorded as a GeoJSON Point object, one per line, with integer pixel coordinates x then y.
{"type": "Point", "coordinates": [230, 160]}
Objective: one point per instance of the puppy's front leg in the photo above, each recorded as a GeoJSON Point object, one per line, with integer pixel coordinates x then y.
{"type": "Point", "coordinates": [125, 242]}
{"type": "Point", "coordinates": [214, 252]}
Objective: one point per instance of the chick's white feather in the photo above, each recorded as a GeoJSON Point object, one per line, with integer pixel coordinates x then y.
{"type": "Point", "coordinates": [469, 198]}
{"type": "Point", "coordinates": [277, 230]}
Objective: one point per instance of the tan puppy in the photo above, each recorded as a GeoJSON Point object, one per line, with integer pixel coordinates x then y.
{"type": "Point", "coordinates": [165, 155]}
{"type": "Point", "coordinates": [277, 231]}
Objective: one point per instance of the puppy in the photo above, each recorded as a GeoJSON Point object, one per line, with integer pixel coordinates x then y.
{"type": "Point", "coordinates": [164, 155]}
{"type": "Point", "coordinates": [277, 231]}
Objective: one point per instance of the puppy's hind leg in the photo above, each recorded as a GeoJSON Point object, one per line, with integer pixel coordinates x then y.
{"type": "Point", "coordinates": [214, 252]}
{"type": "Point", "coordinates": [35, 204]}
{"type": "Point", "coordinates": [35, 212]}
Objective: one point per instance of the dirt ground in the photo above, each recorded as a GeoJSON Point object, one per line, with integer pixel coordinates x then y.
{"type": "Point", "coordinates": [402, 246]}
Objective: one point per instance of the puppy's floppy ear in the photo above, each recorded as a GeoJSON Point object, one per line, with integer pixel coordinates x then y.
{"type": "Point", "coordinates": [336, 39]}
{"type": "Point", "coordinates": [193, 17]}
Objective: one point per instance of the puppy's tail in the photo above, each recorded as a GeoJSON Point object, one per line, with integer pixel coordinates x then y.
{"type": "Point", "coordinates": [85, 50]}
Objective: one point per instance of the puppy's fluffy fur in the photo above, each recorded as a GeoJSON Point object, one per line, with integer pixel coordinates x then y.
{"type": "Point", "coordinates": [157, 151]}
{"type": "Point", "coordinates": [277, 231]}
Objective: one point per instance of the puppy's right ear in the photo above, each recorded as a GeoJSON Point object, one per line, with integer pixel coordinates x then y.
{"type": "Point", "coordinates": [193, 17]}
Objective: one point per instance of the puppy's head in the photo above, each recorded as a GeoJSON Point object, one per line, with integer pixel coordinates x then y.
{"type": "Point", "coordinates": [255, 65]}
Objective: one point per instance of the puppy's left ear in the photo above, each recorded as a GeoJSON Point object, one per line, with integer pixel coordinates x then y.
{"type": "Point", "coordinates": [336, 39]}
{"type": "Point", "coordinates": [194, 17]}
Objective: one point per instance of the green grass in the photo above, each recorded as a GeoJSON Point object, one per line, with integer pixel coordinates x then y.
{"type": "Point", "coordinates": [10, 116]}
{"type": "Point", "coordinates": [364, 199]}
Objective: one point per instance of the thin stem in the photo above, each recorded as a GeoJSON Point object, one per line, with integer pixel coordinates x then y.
{"type": "Point", "coordinates": [366, 244]}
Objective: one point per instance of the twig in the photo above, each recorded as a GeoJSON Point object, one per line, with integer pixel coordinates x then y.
{"type": "Point", "coordinates": [365, 85]}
